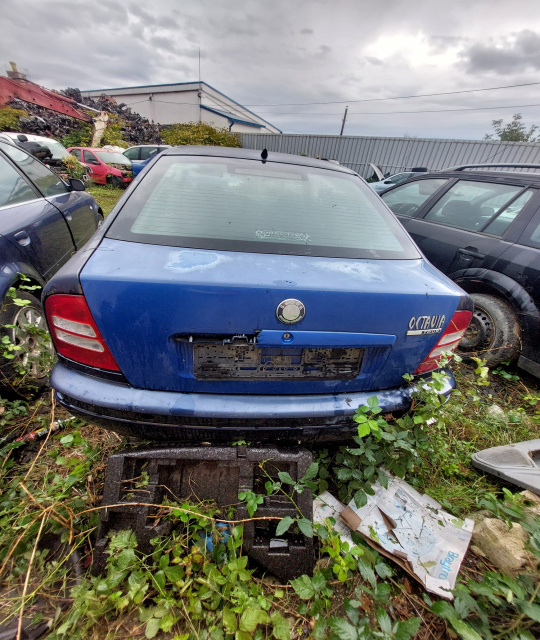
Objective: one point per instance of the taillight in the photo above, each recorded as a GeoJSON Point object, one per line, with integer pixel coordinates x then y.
{"type": "Point", "coordinates": [448, 342]}
{"type": "Point", "coordinates": [75, 333]}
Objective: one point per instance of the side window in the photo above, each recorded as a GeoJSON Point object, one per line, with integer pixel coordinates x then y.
{"type": "Point", "coordinates": [77, 154]}
{"type": "Point", "coordinates": [507, 214]}
{"type": "Point", "coordinates": [132, 154]}
{"type": "Point", "coordinates": [407, 199]}
{"type": "Point", "coordinates": [45, 180]}
{"type": "Point", "coordinates": [472, 205]}
{"type": "Point", "coordinates": [90, 158]}
{"type": "Point", "coordinates": [148, 152]}
{"type": "Point", "coordinates": [13, 187]}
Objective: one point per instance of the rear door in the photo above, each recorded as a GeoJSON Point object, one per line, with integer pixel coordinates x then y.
{"type": "Point", "coordinates": [468, 224]}
{"type": "Point", "coordinates": [30, 222]}
{"type": "Point", "coordinates": [75, 206]}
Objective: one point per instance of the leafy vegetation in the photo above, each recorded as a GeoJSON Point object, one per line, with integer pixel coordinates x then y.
{"type": "Point", "coordinates": [113, 133]}
{"type": "Point", "coordinates": [73, 167]}
{"type": "Point", "coordinates": [9, 118]}
{"type": "Point", "coordinates": [199, 133]}
{"type": "Point", "coordinates": [79, 136]}
{"type": "Point", "coordinates": [514, 131]}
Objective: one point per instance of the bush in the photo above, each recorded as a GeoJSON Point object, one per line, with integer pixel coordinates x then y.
{"type": "Point", "coordinates": [9, 119]}
{"type": "Point", "coordinates": [199, 133]}
{"type": "Point", "coordinates": [113, 133]}
{"type": "Point", "coordinates": [79, 137]}
{"type": "Point", "coordinates": [73, 167]}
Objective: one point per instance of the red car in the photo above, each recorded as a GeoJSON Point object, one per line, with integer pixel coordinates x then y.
{"type": "Point", "coordinates": [105, 166]}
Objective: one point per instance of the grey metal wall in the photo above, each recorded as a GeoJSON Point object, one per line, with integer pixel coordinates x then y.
{"type": "Point", "coordinates": [394, 154]}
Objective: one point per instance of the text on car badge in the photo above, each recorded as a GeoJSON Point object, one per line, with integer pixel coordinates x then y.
{"type": "Point", "coordinates": [423, 325]}
{"type": "Point", "coordinates": [290, 311]}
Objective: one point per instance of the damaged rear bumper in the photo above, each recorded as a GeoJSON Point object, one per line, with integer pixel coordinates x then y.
{"type": "Point", "coordinates": [165, 415]}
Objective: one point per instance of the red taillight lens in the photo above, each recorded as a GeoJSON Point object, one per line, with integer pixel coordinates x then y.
{"type": "Point", "coordinates": [448, 342]}
{"type": "Point", "coordinates": [75, 333]}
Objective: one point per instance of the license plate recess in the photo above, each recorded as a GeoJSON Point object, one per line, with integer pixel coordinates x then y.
{"type": "Point", "coordinates": [214, 361]}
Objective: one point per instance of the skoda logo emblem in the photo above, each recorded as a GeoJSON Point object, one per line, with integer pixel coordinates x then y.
{"type": "Point", "coordinates": [290, 311]}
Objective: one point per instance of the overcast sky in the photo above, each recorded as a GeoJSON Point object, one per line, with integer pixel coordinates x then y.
{"type": "Point", "coordinates": [278, 52]}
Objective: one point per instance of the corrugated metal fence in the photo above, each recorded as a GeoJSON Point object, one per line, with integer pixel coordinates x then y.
{"type": "Point", "coordinates": [393, 155]}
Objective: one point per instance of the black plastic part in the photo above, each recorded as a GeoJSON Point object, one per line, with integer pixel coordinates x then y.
{"type": "Point", "coordinates": [209, 473]}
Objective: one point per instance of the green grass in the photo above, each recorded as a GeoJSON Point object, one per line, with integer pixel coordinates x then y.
{"type": "Point", "coordinates": [106, 196]}
{"type": "Point", "coordinates": [465, 426]}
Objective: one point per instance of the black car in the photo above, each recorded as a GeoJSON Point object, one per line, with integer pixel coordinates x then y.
{"type": "Point", "coordinates": [480, 225]}
{"type": "Point", "coordinates": [43, 221]}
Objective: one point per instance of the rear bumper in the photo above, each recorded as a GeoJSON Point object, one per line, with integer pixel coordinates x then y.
{"type": "Point", "coordinates": [163, 415]}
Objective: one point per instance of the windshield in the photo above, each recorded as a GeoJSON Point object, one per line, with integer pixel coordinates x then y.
{"type": "Point", "coordinates": [245, 205]}
{"type": "Point", "coordinates": [109, 157]}
{"type": "Point", "coordinates": [58, 150]}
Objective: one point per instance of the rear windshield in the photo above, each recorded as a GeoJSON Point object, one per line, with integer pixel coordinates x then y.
{"type": "Point", "coordinates": [245, 205]}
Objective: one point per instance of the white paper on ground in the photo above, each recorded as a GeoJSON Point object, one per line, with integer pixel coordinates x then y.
{"type": "Point", "coordinates": [425, 540]}
{"type": "Point", "coordinates": [326, 506]}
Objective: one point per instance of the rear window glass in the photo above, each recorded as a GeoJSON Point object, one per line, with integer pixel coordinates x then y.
{"type": "Point", "coordinates": [245, 205]}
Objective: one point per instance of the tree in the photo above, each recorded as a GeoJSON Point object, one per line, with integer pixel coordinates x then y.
{"type": "Point", "coordinates": [514, 131]}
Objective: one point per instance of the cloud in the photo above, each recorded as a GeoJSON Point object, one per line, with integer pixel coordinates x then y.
{"type": "Point", "coordinates": [163, 43]}
{"type": "Point", "coordinates": [520, 52]}
{"type": "Point", "coordinates": [309, 51]}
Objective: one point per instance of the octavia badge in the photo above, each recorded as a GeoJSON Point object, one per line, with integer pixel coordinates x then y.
{"type": "Point", "coordinates": [290, 311]}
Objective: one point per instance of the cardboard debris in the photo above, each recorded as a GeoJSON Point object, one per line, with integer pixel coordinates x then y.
{"type": "Point", "coordinates": [408, 527]}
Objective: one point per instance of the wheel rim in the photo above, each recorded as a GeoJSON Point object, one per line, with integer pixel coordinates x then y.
{"type": "Point", "coordinates": [37, 352]}
{"type": "Point", "coordinates": [480, 334]}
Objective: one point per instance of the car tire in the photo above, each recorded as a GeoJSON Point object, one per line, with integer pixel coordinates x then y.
{"type": "Point", "coordinates": [117, 182]}
{"type": "Point", "coordinates": [100, 220]}
{"type": "Point", "coordinates": [36, 355]}
{"type": "Point", "coordinates": [494, 333]}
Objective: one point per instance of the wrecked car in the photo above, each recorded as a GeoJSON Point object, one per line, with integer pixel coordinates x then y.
{"type": "Point", "coordinates": [43, 221]}
{"type": "Point", "coordinates": [55, 157]}
{"type": "Point", "coordinates": [237, 294]}
{"type": "Point", "coordinates": [105, 166]}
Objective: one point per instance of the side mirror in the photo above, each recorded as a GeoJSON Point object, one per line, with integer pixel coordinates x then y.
{"type": "Point", "coordinates": [387, 182]}
{"type": "Point", "coordinates": [76, 184]}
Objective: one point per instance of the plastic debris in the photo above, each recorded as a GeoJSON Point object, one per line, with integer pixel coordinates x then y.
{"type": "Point", "coordinates": [408, 527]}
{"type": "Point", "coordinates": [518, 463]}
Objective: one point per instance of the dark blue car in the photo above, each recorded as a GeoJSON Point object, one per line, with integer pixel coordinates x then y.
{"type": "Point", "coordinates": [141, 155]}
{"type": "Point", "coordinates": [237, 294]}
{"type": "Point", "coordinates": [43, 221]}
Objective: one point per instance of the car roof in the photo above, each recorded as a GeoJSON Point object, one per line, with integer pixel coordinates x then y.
{"type": "Point", "coordinates": [157, 144]}
{"type": "Point", "coordinates": [254, 154]}
{"type": "Point", "coordinates": [101, 149]}
{"type": "Point", "coordinates": [31, 136]}
{"type": "Point", "coordinates": [483, 175]}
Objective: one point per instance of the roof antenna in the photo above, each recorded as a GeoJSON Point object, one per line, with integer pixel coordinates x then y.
{"type": "Point", "coordinates": [264, 155]}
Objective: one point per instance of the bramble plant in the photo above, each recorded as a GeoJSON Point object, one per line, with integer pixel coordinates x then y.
{"type": "Point", "coordinates": [27, 356]}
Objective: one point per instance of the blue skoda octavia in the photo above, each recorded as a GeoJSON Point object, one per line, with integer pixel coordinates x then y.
{"type": "Point", "coordinates": [233, 294]}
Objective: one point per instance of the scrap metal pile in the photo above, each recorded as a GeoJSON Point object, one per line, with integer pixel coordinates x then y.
{"type": "Point", "coordinates": [42, 121]}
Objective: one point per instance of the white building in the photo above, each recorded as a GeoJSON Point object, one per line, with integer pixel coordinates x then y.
{"type": "Point", "coordinates": [187, 102]}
